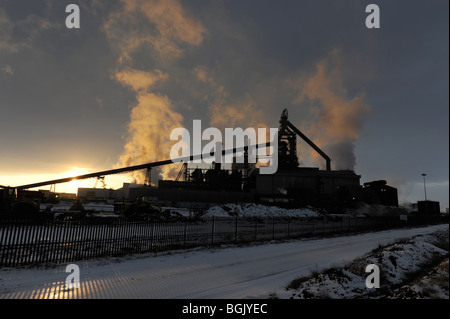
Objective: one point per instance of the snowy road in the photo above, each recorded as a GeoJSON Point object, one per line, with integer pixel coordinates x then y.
{"type": "Point", "coordinates": [246, 272]}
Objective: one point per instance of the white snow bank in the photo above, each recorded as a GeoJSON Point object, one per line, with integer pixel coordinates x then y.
{"type": "Point", "coordinates": [397, 262]}
{"type": "Point", "coordinates": [258, 210]}
{"type": "Point", "coordinates": [434, 285]}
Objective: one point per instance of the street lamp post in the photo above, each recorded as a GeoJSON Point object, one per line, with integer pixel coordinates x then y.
{"type": "Point", "coordinates": [424, 188]}
{"type": "Point", "coordinates": [425, 191]}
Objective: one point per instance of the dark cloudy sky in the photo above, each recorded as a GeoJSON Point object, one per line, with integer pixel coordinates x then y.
{"type": "Point", "coordinates": [108, 94]}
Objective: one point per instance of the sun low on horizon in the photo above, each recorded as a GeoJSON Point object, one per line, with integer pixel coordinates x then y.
{"type": "Point", "coordinates": [112, 181]}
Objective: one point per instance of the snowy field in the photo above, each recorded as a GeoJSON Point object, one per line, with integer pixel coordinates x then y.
{"type": "Point", "coordinates": [254, 271]}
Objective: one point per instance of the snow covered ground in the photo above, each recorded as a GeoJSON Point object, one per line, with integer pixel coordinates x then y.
{"type": "Point", "coordinates": [433, 285]}
{"type": "Point", "coordinates": [247, 210]}
{"type": "Point", "coordinates": [400, 264]}
{"type": "Point", "coordinates": [254, 271]}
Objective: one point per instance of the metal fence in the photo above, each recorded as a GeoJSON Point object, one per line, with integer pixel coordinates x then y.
{"type": "Point", "coordinates": [25, 243]}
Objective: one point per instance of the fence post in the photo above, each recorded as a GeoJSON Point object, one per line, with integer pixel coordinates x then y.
{"type": "Point", "coordinates": [256, 228]}
{"type": "Point", "coordinates": [185, 232]}
{"type": "Point", "coordinates": [152, 234]}
{"type": "Point", "coordinates": [6, 255]}
{"type": "Point", "coordinates": [273, 228]}
{"type": "Point", "coordinates": [212, 231]}
{"type": "Point", "coordinates": [236, 230]}
{"type": "Point", "coordinates": [289, 224]}
{"type": "Point", "coordinates": [23, 230]}
{"type": "Point", "coordinates": [301, 227]}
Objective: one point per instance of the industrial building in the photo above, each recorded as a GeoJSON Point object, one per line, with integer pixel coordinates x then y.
{"type": "Point", "coordinates": [379, 193]}
{"type": "Point", "coordinates": [428, 208]}
{"type": "Point", "coordinates": [290, 186]}
{"type": "Point", "coordinates": [102, 194]}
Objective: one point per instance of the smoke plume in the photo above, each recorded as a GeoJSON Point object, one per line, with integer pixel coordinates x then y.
{"type": "Point", "coordinates": [161, 29]}
{"type": "Point", "coordinates": [337, 120]}
{"type": "Point", "coordinates": [151, 121]}
{"type": "Point", "coordinates": [226, 110]}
